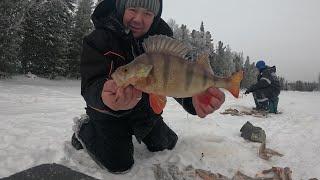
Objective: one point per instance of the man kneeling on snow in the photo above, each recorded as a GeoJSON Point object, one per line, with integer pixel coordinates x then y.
{"type": "Point", "coordinates": [116, 114]}
{"type": "Point", "coordinates": [267, 89]}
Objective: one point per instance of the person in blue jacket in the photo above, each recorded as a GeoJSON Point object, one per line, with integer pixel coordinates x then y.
{"type": "Point", "coordinates": [267, 89]}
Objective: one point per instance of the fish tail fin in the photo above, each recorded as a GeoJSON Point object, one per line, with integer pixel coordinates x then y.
{"type": "Point", "coordinates": [157, 103]}
{"type": "Point", "coordinates": [234, 87]}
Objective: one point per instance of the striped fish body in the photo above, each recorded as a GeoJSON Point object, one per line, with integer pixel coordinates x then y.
{"type": "Point", "coordinates": [173, 76]}
{"type": "Point", "coordinates": [163, 70]}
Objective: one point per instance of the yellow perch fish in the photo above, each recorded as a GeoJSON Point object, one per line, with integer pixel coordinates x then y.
{"type": "Point", "coordinates": [164, 71]}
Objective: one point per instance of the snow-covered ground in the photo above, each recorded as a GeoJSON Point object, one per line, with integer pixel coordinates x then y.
{"type": "Point", "coordinates": [36, 126]}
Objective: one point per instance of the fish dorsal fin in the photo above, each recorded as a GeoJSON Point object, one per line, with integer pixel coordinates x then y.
{"type": "Point", "coordinates": [203, 60]}
{"type": "Point", "coordinates": [165, 44]}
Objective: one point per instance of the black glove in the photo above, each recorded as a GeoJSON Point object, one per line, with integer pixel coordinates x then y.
{"type": "Point", "coordinates": [247, 92]}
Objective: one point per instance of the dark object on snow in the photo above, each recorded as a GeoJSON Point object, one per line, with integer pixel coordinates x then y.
{"type": "Point", "coordinates": [49, 172]}
{"type": "Point", "coordinates": [252, 133]}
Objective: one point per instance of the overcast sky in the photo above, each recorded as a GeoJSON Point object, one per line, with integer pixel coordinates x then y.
{"type": "Point", "coordinates": [284, 33]}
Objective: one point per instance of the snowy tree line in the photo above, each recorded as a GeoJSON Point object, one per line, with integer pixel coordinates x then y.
{"type": "Point", "coordinates": [224, 61]}
{"type": "Point", "coordinates": [45, 38]}
{"type": "Point", "coordinates": [299, 85]}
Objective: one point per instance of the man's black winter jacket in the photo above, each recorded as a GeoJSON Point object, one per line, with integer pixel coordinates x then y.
{"type": "Point", "coordinates": [268, 82]}
{"type": "Point", "coordinates": [105, 49]}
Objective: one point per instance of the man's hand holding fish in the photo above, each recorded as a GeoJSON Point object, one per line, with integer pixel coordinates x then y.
{"type": "Point", "coordinates": [208, 101]}
{"type": "Point", "coordinates": [118, 98]}
{"type": "Point", "coordinates": [163, 71]}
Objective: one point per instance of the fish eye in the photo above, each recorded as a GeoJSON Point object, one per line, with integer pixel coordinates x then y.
{"type": "Point", "coordinates": [125, 70]}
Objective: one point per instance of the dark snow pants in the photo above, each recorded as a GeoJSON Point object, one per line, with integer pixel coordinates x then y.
{"type": "Point", "coordinates": [264, 101]}
{"type": "Point", "coordinates": [109, 141]}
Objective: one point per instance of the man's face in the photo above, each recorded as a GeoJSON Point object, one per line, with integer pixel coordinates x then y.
{"type": "Point", "coordinates": [138, 20]}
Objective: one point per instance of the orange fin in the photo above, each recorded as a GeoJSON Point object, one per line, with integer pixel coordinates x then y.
{"type": "Point", "coordinates": [234, 88]}
{"type": "Point", "coordinates": [157, 103]}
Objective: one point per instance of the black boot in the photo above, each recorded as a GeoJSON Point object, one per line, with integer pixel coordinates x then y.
{"type": "Point", "coordinates": [257, 104]}
{"type": "Point", "coordinates": [265, 105]}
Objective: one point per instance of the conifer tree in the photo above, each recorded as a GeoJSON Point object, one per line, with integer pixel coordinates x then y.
{"type": "Point", "coordinates": [299, 86]}
{"type": "Point", "coordinates": [250, 74]}
{"type": "Point", "coordinates": [174, 26]}
{"type": "Point", "coordinates": [228, 64]}
{"type": "Point", "coordinates": [201, 41]}
{"type": "Point", "coordinates": [282, 83]}
{"type": "Point", "coordinates": [217, 62]}
{"type": "Point", "coordinates": [238, 61]}
{"type": "Point", "coordinates": [184, 33]}
{"type": "Point", "coordinates": [82, 26]}
{"type": "Point", "coordinates": [11, 17]}
{"type": "Point", "coordinates": [45, 43]}
{"type": "Point", "coordinates": [209, 42]}
{"type": "Point", "coordinates": [202, 29]}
